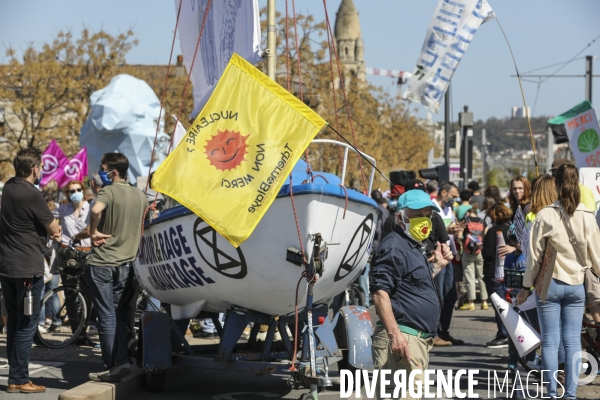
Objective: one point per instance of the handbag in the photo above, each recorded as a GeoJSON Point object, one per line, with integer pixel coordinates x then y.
{"type": "Point", "coordinates": [591, 280]}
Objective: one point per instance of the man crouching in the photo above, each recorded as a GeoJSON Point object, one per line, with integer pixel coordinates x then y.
{"type": "Point", "coordinates": [405, 297]}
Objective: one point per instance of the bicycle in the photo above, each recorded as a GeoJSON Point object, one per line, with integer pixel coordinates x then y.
{"type": "Point", "coordinates": [76, 306]}
{"type": "Point", "coordinates": [71, 316]}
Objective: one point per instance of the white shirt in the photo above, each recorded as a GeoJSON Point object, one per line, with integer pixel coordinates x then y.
{"type": "Point", "coordinates": [71, 226]}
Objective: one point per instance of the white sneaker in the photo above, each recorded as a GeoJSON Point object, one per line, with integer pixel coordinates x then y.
{"type": "Point", "coordinates": [42, 329]}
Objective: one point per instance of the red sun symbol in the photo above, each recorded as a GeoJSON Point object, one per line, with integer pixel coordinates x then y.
{"type": "Point", "coordinates": [226, 150]}
{"type": "Point", "coordinates": [424, 230]}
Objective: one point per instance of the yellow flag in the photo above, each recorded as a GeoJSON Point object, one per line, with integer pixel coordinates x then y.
{"type": "Point", "coordinates": [237, 154]}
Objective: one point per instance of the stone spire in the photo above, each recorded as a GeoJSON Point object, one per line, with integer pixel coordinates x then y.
{"type": "Point", "coordinates": [349, 41]}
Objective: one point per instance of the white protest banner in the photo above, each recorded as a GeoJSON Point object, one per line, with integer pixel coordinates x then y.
{"type": "Point", "coordinates": [590, 178]}
{"type": "Point", "coordinates": [231, 26]}
{"type": "Point", "coordinates": [583, 131]}
{"type": "Point", "coordinates": [450, 32]}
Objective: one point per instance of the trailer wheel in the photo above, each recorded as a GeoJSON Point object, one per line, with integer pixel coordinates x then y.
{"type": "Point", "coordinates": [155, 383]}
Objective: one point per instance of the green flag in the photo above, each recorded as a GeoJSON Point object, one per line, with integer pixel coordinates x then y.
{"type": "Point", "coordinates": [557, 124]}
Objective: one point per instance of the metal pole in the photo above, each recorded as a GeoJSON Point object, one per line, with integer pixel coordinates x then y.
{"type": "Point", "coordinates": [447, 128]}
{"type": "Point", "coordinates": [550, 156]}
{"type": "Point", "coordinates": [483, 157]}
{"type": "Point", "coordinates": [588, 77]}
{"type": "Point", "coordinates": [271, 39]}
{"type": "Point", "coordinates": [465, 149]}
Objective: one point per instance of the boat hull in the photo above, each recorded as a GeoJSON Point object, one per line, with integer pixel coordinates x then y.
{"type": "Point", "coordinates": [184, 262]}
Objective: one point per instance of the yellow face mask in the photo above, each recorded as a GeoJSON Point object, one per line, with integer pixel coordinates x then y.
{"type": "Point", "coordinates": [419, 228]}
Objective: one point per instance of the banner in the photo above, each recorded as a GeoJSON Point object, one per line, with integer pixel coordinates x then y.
{"type": "Point", "coordinates": [581, 126]}
{"type": "Point", "coordinates": [590, 178]}
{"type": "Point", "coordinates": [231, 26]}
{"type": "Point", "coordinates": [178, 132]}
{"type": "Point", "coordinates": [54, 161]}
{"type": "Point", "coordinates": [557, 124]}
{"type": "Point", "coordinates": [450, 32]}
{"type": "Point", "coordinates": [75, 169]}
{"type": "Point", "coordinates": [239, 151]}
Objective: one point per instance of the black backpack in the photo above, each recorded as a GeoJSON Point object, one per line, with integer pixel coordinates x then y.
{"type": "Point", "coordinates": [474, 236]}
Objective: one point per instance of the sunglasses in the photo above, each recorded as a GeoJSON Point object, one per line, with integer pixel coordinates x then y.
{"type": "Point", "coordinates": [75, 190]}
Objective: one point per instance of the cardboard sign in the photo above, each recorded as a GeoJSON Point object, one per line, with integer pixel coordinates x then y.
{"type": "Point", "coordinates": [584, 136]}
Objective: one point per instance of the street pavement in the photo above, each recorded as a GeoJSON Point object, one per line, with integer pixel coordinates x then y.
{"type": "Point", "coordinates": [62, 369]}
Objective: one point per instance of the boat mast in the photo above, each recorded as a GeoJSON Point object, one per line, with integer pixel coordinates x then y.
{"type": "Point", "coordinates": [271, 39]}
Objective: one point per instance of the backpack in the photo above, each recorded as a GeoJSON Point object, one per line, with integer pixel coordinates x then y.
{"type": "Point", "coordinates": [473, 236]}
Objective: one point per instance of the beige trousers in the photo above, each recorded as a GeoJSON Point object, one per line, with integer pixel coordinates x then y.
{"type": "Point", "coordinates": [383, 358]}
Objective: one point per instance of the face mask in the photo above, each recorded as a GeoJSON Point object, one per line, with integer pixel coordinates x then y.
{"type": "Point", "coordinates": [36, 181]}
{"type": "Point", "coordinates": [449, 202]}
{"type": "Point", "coordinates": [417, 228]}
{"type": "Point", "coordinates": [104, 177]}
{"type": "Point", "coordinates": [76, 197]}
{"type": "Point", "coordinates": [35, 185]}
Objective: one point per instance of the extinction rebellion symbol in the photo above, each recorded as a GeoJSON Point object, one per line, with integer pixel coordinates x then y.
{"type": "Point", "coordinates": [357, 248]}
{"type": "Point", "coordinates": [207, 242]}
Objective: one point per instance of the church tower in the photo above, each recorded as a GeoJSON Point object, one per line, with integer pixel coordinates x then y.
{"type": "Point", "coordinates": [349, 42]}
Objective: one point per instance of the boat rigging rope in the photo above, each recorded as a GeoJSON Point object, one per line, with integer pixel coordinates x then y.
{"type": "Point", "coordinates": [287, 47]}
{"type": "Point", "coordinates": [187, 82]}
{"type": "Point", "coordinates": [331, 45]}
{"type": "Point", "coordinates": [164, 95]}
{"type": "Point", "coordinates": [343, 87]}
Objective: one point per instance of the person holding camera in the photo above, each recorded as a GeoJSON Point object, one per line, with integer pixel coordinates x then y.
{"type": "Point", "coordinates": [25, 220]}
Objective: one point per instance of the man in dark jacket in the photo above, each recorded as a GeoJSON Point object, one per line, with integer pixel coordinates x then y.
{"type": "Point", "coordinates": [25, 220]}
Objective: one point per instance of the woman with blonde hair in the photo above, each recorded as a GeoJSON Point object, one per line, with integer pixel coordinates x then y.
{"type": "Point", "coordinates": [572, 230]}
{"type": "Point", "coordinates": [72, 217]}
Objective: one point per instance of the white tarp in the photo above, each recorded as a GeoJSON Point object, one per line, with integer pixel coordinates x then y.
{"type": "Point", "coordinates": [450, 32]}
{"type": "Point", "coordinates": [231, 26]}
{"type": "Point", "coordinates": [123, 119]}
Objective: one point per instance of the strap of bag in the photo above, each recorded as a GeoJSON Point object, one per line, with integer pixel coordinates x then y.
{"type": "Point", "coordinates": [572, 238]}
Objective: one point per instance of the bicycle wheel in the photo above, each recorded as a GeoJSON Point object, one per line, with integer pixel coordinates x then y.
{"type": "Point", "coordinates": [74, 306]}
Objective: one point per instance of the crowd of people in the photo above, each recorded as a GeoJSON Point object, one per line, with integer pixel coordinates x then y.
{"type": "Point", "coordinates": [438, 240]}
{"type": "Point", "coordinates": [431, 242]}
{"type": "Point", "coordinates": [108, 227]}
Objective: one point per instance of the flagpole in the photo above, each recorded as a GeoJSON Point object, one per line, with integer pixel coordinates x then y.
{"type": "Point", "coordinates": [271, 39]}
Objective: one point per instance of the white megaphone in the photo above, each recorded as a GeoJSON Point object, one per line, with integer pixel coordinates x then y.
{"type": "Point", "coordinates": [524, 337]}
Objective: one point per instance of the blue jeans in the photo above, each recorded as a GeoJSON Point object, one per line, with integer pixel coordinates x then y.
{"type": "Point", "coordinates": [50, 310]}
{"type": "Point", "coordinates": [21, 327]}
{"type": "Point", "coordinates": [565, 304]}
{"type": "Point", "coordinates": [363, 282]}
{"type": "Point", "coordinates": [112, 290]}
{"type": "Point", "coordinates": [447, 292]}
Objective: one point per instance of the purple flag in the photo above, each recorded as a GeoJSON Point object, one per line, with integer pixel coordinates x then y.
{"type": "Point", "coordinates": [54, 161]}
{"type": "Point", "coordinates": [76, 168]}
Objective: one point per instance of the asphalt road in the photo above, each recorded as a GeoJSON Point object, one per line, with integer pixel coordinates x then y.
{"type": "Point", "coordinates": [60, 370]}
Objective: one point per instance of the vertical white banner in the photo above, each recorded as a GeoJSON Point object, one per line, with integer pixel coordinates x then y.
{"type": "Point", "coordinates": [231, 26]}
{"type": "Point", "coordinates": [450, 32]}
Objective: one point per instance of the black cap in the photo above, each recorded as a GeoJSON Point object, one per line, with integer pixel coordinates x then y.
{"type": "Point", "coordinates": [414, 184]}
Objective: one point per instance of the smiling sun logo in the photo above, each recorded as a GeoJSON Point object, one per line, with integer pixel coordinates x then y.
{"type": "Point", "coordinates": [226, 150]}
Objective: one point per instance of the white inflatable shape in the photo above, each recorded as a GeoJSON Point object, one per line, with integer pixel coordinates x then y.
{"type": "Point", "coordinates": [123, 119]}
{"type": "Point", "coordinates": [524, 337]}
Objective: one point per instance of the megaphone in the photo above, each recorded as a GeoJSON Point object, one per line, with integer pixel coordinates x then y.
{"type": "Point", "coordinates": [524, 337]}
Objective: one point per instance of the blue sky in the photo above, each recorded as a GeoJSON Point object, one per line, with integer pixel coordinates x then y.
{"type": "Point", "coordinates": [541, 32]}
